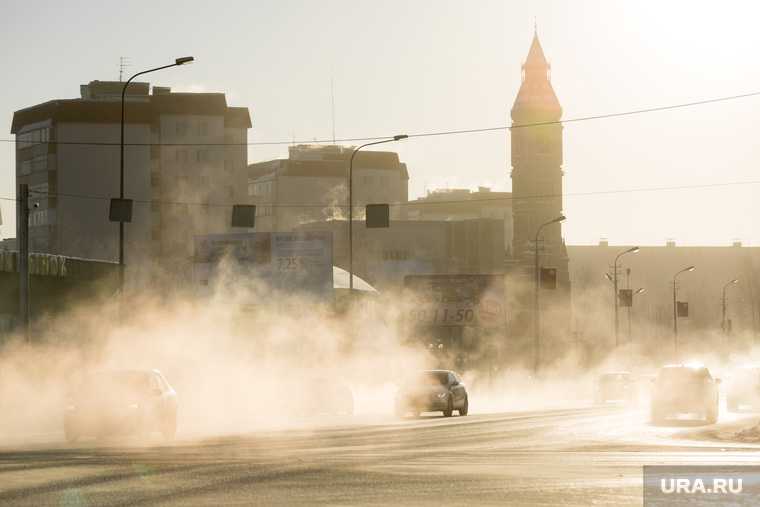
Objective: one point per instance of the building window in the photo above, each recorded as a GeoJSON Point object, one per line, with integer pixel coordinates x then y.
{"type": "Point", "coordinates": [181, 127]}
{"type": "Point", "coordinates": [181, 155]}
{"type": "Point", "coordinates": [264, 211]}
{"type": "Point", "coordinates": [230, 192]}
{"type": "Point", "coordinates": [32, 137]}
{"type": "Point", "coordinates": [203, 128]}
{"type": "Point", "coordinates": [395, 255]}
{"type": "Point", "coordinates": [261, 188]}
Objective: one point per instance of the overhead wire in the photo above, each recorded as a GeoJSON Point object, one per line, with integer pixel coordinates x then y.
{"type": "Point", "coordinates": [419, 134]}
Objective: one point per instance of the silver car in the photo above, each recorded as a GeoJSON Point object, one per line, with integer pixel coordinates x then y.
{"type": "Point", "coordinates": [431, 391]}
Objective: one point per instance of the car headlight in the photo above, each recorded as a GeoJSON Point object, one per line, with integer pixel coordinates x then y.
{"type": "Point", "coordinates": [441, 396]}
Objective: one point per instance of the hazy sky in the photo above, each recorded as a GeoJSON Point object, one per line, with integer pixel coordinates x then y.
{"type": "Point", "coordinates": [416, 66]}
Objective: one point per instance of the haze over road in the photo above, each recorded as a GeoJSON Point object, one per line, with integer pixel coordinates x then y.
{"type": "Point", "coordinates": [549, 457]}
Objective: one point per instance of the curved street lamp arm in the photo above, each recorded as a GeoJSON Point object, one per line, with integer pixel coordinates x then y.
{"type": "Point", "coordinates": [124, 89]}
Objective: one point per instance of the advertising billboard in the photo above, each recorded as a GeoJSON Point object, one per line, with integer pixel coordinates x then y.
{"type": "Point", "coordinates": [456, 300]}
{"type": "Point", "coordinates": [288, 261]}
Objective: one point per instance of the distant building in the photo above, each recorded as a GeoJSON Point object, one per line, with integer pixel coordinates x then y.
{"type": "Point", "coordinates": [537, 195]}
{"type": "Point", "coordinates": [384, 256]}
{"type": "Point", "coordinates": [310, 185]}
{"type": "Point", "coordinates": [8, 244]}
{"type": "Point", "coordinates": [653, 269]}
{"type": "Point", "coordinates": [458, 204]}
{"type": "Point", "coordinates": [179, 175]}
{"type": "Point", "coordinates": [537, 167]}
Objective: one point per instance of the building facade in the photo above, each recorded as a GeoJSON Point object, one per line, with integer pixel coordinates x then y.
{"type": "Point", "coordinates": [384, 256]}
{"type": "Point", "coordinates": [653, 269]}
{"type": "Point", "coordinates": [310, 185]}
{"type": "Point", "coordinates": [458, 204]}
{"type": "Point", "coordinates": [185, 165]}
{"type": "Point", "coordinates": [536, 157]}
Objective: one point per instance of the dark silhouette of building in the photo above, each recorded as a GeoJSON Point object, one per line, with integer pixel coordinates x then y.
{"type": "Point", "coordinates": [537, 168]}
{"type": "Point", "coordinates": [537, 188]}
{"type": "Point", "coordinates": [67, 151]}
{"type": "Point", "coordinates": [310, 185]}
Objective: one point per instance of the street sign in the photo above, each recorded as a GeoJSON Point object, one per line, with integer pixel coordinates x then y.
{"type": "Point", "coordinates": [244, 215]}
{"type": "Point", "coordinates": [682, 308]}
{"type": "Point", "coordinates": [626, 297]}
{"type": "Point", "coordinates": [120, 210]}
{"type": "Point", "coordinates": [377, 216]}
{"type": "Point", "coordinates": [549, 278]}
{"type": "Point", "coordinates": [456, 300]}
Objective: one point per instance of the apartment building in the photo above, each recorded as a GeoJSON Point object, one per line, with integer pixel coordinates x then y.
{"type": "Point", "coordinates": [311, 185]}
{"type": "Point", "coordinates": [185, 165]}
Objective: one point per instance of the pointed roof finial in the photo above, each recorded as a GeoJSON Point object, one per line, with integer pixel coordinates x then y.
{"type": "Point", "coordinates": [535, 25]}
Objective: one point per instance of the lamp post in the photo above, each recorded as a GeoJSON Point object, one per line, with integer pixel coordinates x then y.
{"type": "Point", "coordinates": [536, 306]}
{"type": "Point", "coordinates": [398, 137]}
{"type": "Point", "coordinates": [675, 309]}
{"type": "Point", "coordinates": [634, 249]}
{"type": "Point", "coordinates": [723, 319]}
{"type": "Point", "coordinates": [179, 61]}
{"type": "Point", "coordinates": [638, 291]}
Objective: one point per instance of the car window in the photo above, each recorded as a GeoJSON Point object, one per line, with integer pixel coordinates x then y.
{"type": "Point", "coordinates": [435, 378]}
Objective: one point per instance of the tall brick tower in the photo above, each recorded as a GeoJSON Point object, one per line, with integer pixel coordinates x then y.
{"type": "Point", "coordinates": [537, 199]}
{"type": "Point", "coordinates": [537, 175]}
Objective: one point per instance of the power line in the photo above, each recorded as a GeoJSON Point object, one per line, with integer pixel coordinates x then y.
{"type": "Point", "coordinates": [419, 134]}
{"type": "Point", "coordinates": [412, 203]}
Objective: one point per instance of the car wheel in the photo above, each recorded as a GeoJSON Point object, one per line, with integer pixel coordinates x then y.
{"type": "Point", "coordinates": [465, 407]}
{"type": "Point", "coordinates": [450, 409]}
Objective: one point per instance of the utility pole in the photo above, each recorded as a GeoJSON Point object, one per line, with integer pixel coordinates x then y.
{"type": "Point", "coordinates": [675, 307]}
{"type": "Point", "coordinates": [634, 249]}
{"type": "Point", "coordinates": [628, 286]}
{"type": "Point", "coordinates": [723, 323]}
{"type": "Point", "coordinates": [536, 302]}
{"type": "Point", "coordinates": [22, 235]}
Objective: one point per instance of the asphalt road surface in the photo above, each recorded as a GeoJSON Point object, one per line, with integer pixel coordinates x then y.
{"type": "Point", "coordinates": [586, 456]}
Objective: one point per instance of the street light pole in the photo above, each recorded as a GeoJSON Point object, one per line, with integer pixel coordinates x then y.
{"type": "Point", "coordinates": [536, 305]}
{"type": "Point", "coordinates": [398, 137]}
{"type": "Point", "coordinates": [634, 249]}
{"type": "Point", "coordinates": [179, 61]}
{"type": "Point", "coordinates": [723, 319]}
{"type": "Point", "coordinates": [630, 312]}
{"type": "Point", "coordinates": [675, 310]}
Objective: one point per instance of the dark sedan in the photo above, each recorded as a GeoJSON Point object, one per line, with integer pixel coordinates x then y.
{"type": "Point", "coordinates": [431, 391]}
{"type": "Point", "coordinates": [120, 402]}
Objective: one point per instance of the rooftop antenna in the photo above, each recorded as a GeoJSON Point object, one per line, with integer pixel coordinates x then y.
{"type": "Point", "coordinates": [123, 64]}
{"type": "Point", "coordinates": [332, 107]}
